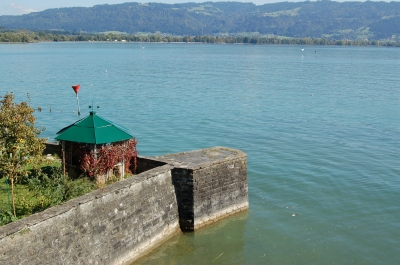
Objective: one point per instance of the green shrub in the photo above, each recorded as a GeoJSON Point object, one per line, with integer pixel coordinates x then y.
{"type": "Point", "coordinates": [78, 187]}
{"type": "Point", "coordinates": [50, 183]}
{"type": "Point", "coordinates": [40, 189]}
{"type": "Point", "coordinates": [6, 217]}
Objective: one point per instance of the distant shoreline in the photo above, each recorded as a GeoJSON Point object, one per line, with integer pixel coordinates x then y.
{"type": "Point", "coordinates": [26, 36]}
{"type": "Point", "coordinates": [380, 44]}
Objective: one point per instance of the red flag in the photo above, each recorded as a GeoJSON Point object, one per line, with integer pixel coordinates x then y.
{"type": "Point", "coordinates": [76, 88]}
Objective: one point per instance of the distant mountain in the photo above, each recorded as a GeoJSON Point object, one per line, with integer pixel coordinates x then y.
{"type": "Point", "coordinates": [347, 20]}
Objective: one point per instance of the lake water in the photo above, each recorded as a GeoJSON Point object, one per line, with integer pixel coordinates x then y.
{"type": "Point", "coordinates": [321, 129]}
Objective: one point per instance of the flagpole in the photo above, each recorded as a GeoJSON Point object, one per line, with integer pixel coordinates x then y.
{"type": "Point", "coordinates": [76, 89]}
{"type": "Point", "coordinates": [79, 109]}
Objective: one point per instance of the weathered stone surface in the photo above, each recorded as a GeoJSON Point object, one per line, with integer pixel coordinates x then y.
{"type": "Point", "coordinates": [146, 163]}
{"type": "Point", "coordinates": [110, 226]}
{"type": "Point", "coordinates": [209, 183]}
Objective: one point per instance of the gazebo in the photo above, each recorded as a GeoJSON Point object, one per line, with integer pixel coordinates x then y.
{"type": "Point", "coordinates": [92, 134]}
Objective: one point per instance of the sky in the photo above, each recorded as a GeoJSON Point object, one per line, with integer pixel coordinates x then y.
{"type": "Point", "coordinates": [20, 7]}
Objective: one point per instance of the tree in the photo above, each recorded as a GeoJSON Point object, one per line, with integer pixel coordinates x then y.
{"type": "Point", "coordinates": [19, 140]}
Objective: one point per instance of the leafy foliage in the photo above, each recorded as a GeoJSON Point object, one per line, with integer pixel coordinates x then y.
{"type": "Point", "coordinates": [99, 163]}
{"type": "Point", "coordinates": [42, 188]}
{"type": "Point", "coordinates": [55, 187]}
{"type": "Point", "coordinates": [6, 217]}
{"type": "Point", "coordinates": [299, 20]}
{"type": "Point", "coordinates": [19, 140]}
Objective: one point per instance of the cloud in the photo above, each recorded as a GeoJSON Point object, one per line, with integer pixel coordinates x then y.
{"type": "Point", "coordinates": [20, 9]}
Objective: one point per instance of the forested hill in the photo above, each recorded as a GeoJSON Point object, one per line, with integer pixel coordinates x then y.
{"type": "Point", "coordinates": [347, 20]}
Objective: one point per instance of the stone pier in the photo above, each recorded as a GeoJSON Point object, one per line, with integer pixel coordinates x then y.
{"type": "Point", "coordinates": [209, 184]}
{"type": "Point", "coordinates": [126, 220]}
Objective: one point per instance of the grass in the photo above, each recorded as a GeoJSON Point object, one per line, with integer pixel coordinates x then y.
{"type": "Point", "coordinates": [46, 163]}
{"type": "Point", "coordinates": [22, 192]}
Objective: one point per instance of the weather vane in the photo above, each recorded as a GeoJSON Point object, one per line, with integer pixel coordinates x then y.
{"type": "Point", "coordinates": [92, 107]}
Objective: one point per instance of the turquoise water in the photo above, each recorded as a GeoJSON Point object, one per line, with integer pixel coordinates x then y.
{"type": "Point", "coordinates": [321, 129]}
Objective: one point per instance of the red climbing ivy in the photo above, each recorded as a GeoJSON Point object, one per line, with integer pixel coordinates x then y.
{"type": "Point", "coordinates": [129, 153]}
{"type": "Point", "coordinates": [107, 157]}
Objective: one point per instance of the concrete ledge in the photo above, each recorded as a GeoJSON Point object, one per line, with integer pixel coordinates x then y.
{"type": "Point", "coordinates": [202, 158]}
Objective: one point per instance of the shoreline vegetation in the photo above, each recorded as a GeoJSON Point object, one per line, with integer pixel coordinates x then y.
{"type": "Point", "coordinates": [26, 36]}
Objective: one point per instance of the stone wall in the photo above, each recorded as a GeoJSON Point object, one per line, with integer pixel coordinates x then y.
{"type": "Point", "coordinates": [183, 182]}
{"type": "Point", "coordinates": [145, 163]}
{"type": "Point", "coordinates": [114, 225]}
{"type": "Point", "coordinates": [209, 183]}
{"type": "Point", "coordinates": [219, 190]}
{"type": "Point", "coordinates": [52, 148]}
{"type": "Point", "coordinates": [125, 220]}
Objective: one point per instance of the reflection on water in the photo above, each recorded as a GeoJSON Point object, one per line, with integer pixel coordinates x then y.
{"type": "Point", "coordinates": [220, 243]}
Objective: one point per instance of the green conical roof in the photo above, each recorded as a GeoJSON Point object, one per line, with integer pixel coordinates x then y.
{"type": "Point", "coordinates": [93, 129]}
